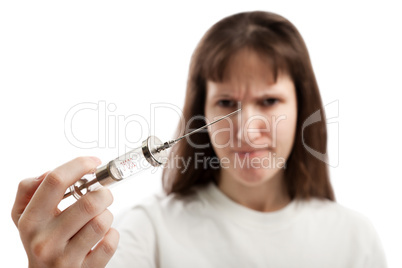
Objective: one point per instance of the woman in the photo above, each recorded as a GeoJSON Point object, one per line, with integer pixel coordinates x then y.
{"type": "Point", "coordinates": [251, 196]}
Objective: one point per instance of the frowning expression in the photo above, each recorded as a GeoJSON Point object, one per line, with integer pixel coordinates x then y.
{"type": "Point", "coordinates": [254, 144]}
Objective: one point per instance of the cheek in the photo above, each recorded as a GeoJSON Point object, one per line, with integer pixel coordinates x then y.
{"type": "Point", "coordinates": [284, 132]}
{"type": "Point", "coordinates": [221, 134]}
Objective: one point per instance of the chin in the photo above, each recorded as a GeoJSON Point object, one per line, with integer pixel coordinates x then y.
{"type": "Point", "coordinates": [256, 177]}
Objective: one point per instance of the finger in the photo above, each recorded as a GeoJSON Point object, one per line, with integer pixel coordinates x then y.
{"type": "Point", "coordinates": [51, 191]}
{"type": "Point", "coordinates": [103, 251]}
{"type": "Point", "coordinates": [89, 235]}
{"type": "Point", "coordinates": [26, 190]}
{"type": "Point", "coordinates": [81, 212]}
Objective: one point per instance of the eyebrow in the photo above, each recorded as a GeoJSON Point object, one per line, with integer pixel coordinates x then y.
{"type": "Point", "coordinates": [273, 92]}
{"type": "Point", "coordinates": [266, 94]}
{"type": "Point", "coordinates": [224, 94]}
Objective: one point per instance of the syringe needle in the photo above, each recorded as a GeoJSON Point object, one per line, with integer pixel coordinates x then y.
{"type": "Point", "coordinates": [125, 165]}
{"type": "Point", "coordinates": [169, 144]}
{"type": "Point", "coordinates": [207, 125]}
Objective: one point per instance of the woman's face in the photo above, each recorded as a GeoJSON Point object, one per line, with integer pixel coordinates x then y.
{"type": "Point", "coordinates": [254, 144]}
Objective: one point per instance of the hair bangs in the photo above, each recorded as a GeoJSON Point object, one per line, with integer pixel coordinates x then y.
{"type": "Point", "coordinates": [277, 55]}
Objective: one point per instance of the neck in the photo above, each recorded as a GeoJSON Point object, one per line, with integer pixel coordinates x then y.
{"type": "Point", "coordinates": [266, 197]}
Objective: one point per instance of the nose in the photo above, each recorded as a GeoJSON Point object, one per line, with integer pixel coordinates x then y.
{"type": "Point", "coordinates": [251, 126]}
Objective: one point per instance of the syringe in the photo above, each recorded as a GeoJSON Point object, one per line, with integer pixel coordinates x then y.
{"type": "Point", "coordinates": [153, 150]}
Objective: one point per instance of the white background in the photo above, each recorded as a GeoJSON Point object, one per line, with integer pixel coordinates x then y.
{"type": "Point", "coordinates": [57, 54]}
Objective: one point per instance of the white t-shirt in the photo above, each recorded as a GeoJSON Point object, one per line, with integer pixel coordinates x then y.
{"type": "Point", "coordinates": [208, 229]}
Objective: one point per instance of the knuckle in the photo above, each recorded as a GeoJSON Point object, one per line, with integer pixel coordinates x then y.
{"type": "Point", "coordinates": [54, 179]}
{"type": "Point", "coordinates": [87, 205]}
{"type": "Point", "coordinates": [108, 248]}
{"type": "Point", "coordinates": [99, 226]}
{"type": "Point", "coordinates": [44, 251]}
{"type": "Point", "coordinates": [40, 249]}
{"type": "Point", "coordinates": [59, 261]}
{"type": "Point", "coordinates": [25, 226]}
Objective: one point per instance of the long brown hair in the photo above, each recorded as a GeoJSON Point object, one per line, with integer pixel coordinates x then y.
{"type": "Point", "coordinates": [278, 39]}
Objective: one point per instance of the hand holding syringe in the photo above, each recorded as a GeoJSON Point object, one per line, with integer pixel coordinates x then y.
{"type": "Point", "coordinates": [153, 150]}
{"type": "Point", "coordinates": [54, 234]}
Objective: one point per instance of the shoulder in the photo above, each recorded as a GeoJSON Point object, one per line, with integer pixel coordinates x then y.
{"type": "Point", "coordinates": [344, 228]}
{"type": "Point", "coordinates": [319, 208]}
{"type": "Point", "coordinates": [333, 210]}
{"type": "Point", "coordinates": [333, 216]}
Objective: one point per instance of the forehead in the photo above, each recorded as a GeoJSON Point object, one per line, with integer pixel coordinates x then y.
{"type": "Point", "coordinates": [248, 64]}
{"type": "Point", "coordinates": [249, 73]}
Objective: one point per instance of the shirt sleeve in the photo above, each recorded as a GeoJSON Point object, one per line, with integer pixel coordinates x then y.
{"type": "Point", "coordinates": [137, 245]}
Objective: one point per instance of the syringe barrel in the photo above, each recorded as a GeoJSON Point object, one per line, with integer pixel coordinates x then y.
{"type": "Point", "coordinates": [104, 175]}
{"type": "Point", "coordinates": [107, 174]}
{"type": "Point", "coordinates": [122, 167]}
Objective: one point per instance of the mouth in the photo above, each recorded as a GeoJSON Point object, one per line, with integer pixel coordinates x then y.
{"type": "Point", "coordinates": [252, 153]}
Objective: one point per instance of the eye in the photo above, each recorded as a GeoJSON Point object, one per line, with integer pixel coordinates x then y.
{"type": "Point", "coordinates": [269, 102]}
{"type": "Point", "coordinates": [226, 103]}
